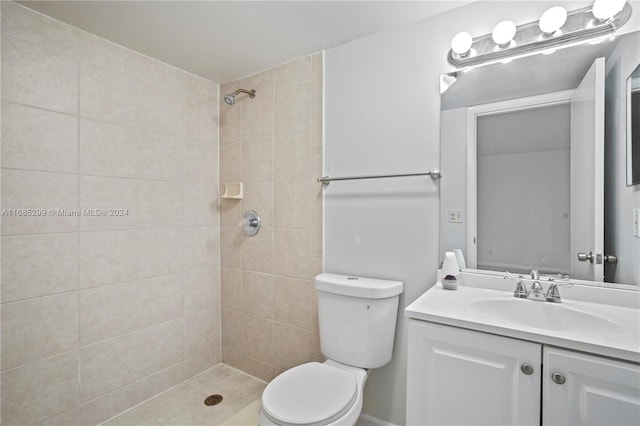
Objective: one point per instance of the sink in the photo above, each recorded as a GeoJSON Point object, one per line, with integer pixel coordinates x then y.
{"type": "Point", "coordinates": [544, 315]}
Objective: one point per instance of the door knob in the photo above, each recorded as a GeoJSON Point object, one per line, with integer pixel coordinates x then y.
{"type": "Point", "coordinates": [584, 257]}
{"type": "Point", "coordinates": [558, 378]}
{"type": "Point", "coordinates": [526, 369]}
{"type": "Point", "coordinates": [608, 258]}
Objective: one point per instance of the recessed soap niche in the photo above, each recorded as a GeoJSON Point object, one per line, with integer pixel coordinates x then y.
{"type": "Point", "coordinates": [233, 190]}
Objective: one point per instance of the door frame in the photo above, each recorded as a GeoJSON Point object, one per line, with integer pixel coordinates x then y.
{"type": "Point", "coordinates": [519, 104]}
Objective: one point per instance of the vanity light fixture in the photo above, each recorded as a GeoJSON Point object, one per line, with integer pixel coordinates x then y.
{"type": "Point", "coordinates": [503, 33]}
{"type": "Point", "coordinates": [606, 9]}
{"type": "Point", "coordinates": [552, 20]}
{"type": "Point", "coordinates": [556, 29]}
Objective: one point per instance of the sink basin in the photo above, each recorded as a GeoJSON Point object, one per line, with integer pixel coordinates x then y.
{"type": "Point", "coordinates": [544, 315]}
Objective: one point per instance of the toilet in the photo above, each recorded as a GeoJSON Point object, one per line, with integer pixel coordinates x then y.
{"type": "Point", "coordinates": [357, 318]}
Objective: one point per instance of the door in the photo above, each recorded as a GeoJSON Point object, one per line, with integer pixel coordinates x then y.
{"type": "Point", "coordinates": [589, 390]}
{"type": "Point", "coordinates": [462, 377]}
{"type": "Point", "coordinates": [587, 176]}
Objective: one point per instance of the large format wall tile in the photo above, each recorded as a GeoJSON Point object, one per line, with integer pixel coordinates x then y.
{"type": "Point", "coordinates": [273, 144]}
{"type": "Point", "coordinates": [54, 196]}
{"type": "Point", "coordinates": [38, 328]}
{"type": "Point", "coordinates": [52, 382]}
{"type": "Point", "coordinates": [113, 306]}
{"type": "Point", "coordinates": [36, 139]}
{"type": "Point", "coordinates": [30, 268]}
{"type": "Point", "coordinates": [36, 75]}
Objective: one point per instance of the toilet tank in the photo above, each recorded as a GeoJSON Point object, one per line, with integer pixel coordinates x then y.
{"type": "Point", "coordinates": [357, 318]}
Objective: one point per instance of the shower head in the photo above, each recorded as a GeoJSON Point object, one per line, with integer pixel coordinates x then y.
{"type": "Point", "coordinates": [231, 99]}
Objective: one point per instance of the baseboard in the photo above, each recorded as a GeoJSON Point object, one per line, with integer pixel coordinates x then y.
{"type": "Point", "coordinates": [366, 420]}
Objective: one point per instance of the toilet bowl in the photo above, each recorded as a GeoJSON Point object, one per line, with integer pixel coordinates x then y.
{"type": "Point", "coordinates": [314, 394]}
{"type": "Point", "coordinates": [357, 319]}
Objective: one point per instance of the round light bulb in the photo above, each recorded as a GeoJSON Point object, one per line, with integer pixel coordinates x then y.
{"type": "Point", "coordinates": [503, 33]}
{"type": "Point", "coordinates": [461, 43]}
{"type": "Point", "coordinates": [553, 19]}
{"type": "Point", "coordinates": [605, 9]}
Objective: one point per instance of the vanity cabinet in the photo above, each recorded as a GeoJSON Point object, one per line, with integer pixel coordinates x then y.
{"type": "Point", "coordinates": [462, 377]}
{"type": "Point", "coordinates": [584, 389]}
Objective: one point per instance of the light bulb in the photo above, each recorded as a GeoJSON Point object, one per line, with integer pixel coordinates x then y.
{"type": "Point", "coordinates": [605, 9]}
{"type": "Point", "coordinates": [503, 33]}
{"type": "Point", "coordinates": [553, 19]}
{"type": "Point", "coordinates": [461, 43]}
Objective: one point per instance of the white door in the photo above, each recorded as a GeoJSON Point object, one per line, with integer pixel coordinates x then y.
{"type": "Point", "coordinates": [589, 390]}
{"type": "Point", "coordinates": [587, 176]}
{"type": "Point", "coordinates": [462, 377]}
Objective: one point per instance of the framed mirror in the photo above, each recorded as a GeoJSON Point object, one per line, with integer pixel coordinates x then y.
{"type": "Point", "coordinates": [525, 216]}
{"type": "Point", "coordinates": [633, 128]}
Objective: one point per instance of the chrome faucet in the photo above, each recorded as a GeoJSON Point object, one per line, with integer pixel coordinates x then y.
{"type": "Point", "coordinates": [537, 292]}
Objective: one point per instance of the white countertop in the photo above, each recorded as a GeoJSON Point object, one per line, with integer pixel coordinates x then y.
{"type": "Point", "coordinates": [455, 308]}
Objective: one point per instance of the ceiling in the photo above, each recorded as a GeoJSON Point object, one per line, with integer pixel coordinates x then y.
{"type": "Point", "coordinates": [226, 40]}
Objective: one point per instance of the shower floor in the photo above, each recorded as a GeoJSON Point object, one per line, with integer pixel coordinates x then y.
{"type": "Point", "coordinates": [184, 405]}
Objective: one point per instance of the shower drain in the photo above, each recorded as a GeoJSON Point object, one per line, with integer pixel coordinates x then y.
{"type": "Point", "coordinates": [213, 400]}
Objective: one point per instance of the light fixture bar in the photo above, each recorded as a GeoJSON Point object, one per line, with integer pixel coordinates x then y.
{"type": "Point", "coordinates": [580, 26]}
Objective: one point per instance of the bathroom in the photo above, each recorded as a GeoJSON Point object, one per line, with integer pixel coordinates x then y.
{"type": "Point", "coordinates": [102, 314]}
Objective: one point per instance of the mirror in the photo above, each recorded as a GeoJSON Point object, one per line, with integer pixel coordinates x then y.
{"type": "Point", "coordinates": [633, 128]}
{"type": "Point", "coordinates": [539, 185]}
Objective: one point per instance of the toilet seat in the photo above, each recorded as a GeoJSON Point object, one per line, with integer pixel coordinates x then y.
{"type": "Point", "coordinates": [310, 394]}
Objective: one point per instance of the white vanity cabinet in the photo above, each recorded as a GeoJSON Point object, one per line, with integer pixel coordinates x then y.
{"type": "Point", "coordinates": [581, 389]}
{"type": "Point", "coordinates": [463, 377]}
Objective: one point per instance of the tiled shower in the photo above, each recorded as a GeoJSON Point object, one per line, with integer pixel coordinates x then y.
{"type": "Point", "coordinates": [123, 271]}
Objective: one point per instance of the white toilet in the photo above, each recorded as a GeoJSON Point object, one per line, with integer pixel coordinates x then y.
{"type": "Point", "coordinates": [357, 319]}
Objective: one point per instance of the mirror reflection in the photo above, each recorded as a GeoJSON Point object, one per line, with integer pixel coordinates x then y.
{"type": "Point", "coordinates": [633, 128]}
{"type": "Point", "coordinates": [531, 154]}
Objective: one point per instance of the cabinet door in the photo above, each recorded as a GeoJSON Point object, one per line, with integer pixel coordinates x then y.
{"type": "Point", "coordinates": [462, 377]}
{"type": "Point", "coordinates": [596, 390]}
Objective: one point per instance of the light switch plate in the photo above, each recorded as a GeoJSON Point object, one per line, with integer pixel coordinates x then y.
{"type": "Point", "coordinates": [455, 216]}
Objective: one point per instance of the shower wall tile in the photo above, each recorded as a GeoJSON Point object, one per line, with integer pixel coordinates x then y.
{"type": "Point", "coordinates": [109, 96]}
{"type": "Point", "coordinates": [293, 108]}
{"type": "Point", "coordinates": [35, 139]}
{"type": "Point", "coordinates": [261, 82]}
{"type": "Point", "coordinates": [201, 290]}
{"type": "Point", "coordinates": [105, 194]}
{"type": "Point", "coordinates": [201, 160]}
{"type": "Point", "coordinates": [292, 303]}
{"type": "Point", "coordinates": [39, 29]}
{"type": "Point", "coordinates": [139, 354]}
{"type": "Point", "coordinates": [291, 156]}
{"type": "Point", "coordinates": [98, 54]}
{"type": "Point", "coordinates": [43, 191]}
{"type": "Point", "coordinates": [268, 298]}
{"type": "Point", "coordinates": [161, 156]}
{"type": "Point", "coordinates": [52, 382]}
{"type": "Point", "coordinates": [108, 149]}
{"type": "Point", "coordinates": [112, 308]}
{"type": "Point", "coordinates": [30, 268]}
{"type": "Point", "coordinates": [108, 257]}
{"type": "Point", "coordinates": [36, 75]}
{"type": "Point", "coordinates": [160, 204]}
{"type": "Point", "coordinates": [163, 250]}
{"type": "Point", "coordinates": [35, 329]}
{"type": "Point", "coordinates": [294, 72]}
{"type": "Point", "coordinates": [200, 207]}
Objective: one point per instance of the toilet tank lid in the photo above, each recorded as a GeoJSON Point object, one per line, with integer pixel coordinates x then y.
{"type": "Point", "coordinates": [349, 285]}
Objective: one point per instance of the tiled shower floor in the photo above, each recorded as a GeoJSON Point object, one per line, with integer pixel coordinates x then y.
{"type": "Point", "coordinates": [184, 405]}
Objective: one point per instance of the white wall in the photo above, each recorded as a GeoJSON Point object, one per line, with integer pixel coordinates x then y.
{"type": "Point", "coordinates": [620, 203]}
{"type": "Point", "coordinates": [382, 115]}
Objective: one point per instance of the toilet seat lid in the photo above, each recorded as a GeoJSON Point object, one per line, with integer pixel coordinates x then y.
{"type": "Point", "coordinates": [309, 394]}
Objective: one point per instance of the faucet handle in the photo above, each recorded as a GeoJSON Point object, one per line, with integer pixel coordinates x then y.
{"type": "Point", "coordinates": [553, 295]}
{"type": "Point", "coordinates": [521, 290]}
